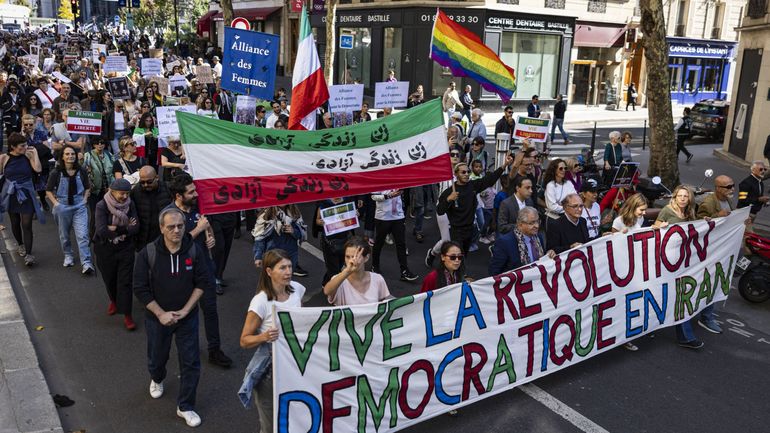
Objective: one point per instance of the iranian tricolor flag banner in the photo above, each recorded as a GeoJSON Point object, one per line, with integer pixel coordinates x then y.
{"type": "Point", "coordinates": [84, 122]}
{"type": "Point", "coordinates": [237, 167]}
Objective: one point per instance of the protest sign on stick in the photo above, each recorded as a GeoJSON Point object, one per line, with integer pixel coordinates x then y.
{"type": "Point", "coordinates": [84, 122]}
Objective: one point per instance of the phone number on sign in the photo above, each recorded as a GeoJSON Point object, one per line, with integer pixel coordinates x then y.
{"type": "Point", "coordinates": [456, 18]}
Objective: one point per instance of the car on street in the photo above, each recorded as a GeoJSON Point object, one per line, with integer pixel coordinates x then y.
{"type": "Point", "coordinates": [709, 118]}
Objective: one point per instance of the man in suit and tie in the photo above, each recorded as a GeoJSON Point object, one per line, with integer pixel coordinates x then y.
{"type": "Point", "coordinates": [508, 213]}
{"type": "Point", "coordinates": [521, 246]}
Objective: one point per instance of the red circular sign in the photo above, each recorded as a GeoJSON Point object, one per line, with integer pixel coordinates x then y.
{"type": "Point", "coordinates": [241, 23]}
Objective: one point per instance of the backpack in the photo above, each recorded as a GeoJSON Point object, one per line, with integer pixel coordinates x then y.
{"type": "Point", "coordinates": [686, 127]}
{"type": "Point", "coordinates": [152, 254]}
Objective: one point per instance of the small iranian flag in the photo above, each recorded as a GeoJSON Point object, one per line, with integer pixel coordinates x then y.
{"type": "Point", "coordinates": [84, 122]}
{"type": "Point", "coordinates": [237, 167]}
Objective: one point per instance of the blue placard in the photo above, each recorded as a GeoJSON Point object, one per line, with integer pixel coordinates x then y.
{"type": "Point", "coordinates": [121, 3]}
{"type": "Point", "coordinates": [249, 62]}
{"type": "Point", "coordinates": [117, 20]}
{"type": "Point", "coordinates": [136, 3]}
{"type": "Point", "coordinates": [346, 42]}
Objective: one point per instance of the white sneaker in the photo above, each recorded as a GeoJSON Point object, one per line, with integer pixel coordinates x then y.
{"type": "Point", "coordinates": [69, 262]}
{"type": "Point", "coordinates": [190, 417]}
{"type": "Point", "coordinates": [156, 389]}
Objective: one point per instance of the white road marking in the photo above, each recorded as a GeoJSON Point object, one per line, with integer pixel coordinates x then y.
{"type": "Point", "coordinates": [315, 252]}
{"type": "Point", "coordinates": [562, 409]}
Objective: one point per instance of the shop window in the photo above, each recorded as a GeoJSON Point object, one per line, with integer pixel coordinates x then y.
{"type": "Point", "coordinates": [355, 64]}
{"type": "Point", "coordinates": [674, 77]}
{"type": "Point", "coordinates": [391, 52]}
{"type": "Point", "coordinates": [441, 78]}
{"type": "Point", "coordinates": [535, 59]}
{"type": "Point", "coordinates": [711, 72]}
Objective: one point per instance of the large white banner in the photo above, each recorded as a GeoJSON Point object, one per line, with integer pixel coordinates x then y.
{"type": "Point", "coordinates": [383, 367]}
{"type": "Point", "coordinates": [393, 94]}
{"type": "Point", "coordinates": [346, 98]}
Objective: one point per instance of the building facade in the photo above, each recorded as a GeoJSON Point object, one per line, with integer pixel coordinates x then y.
{"type": "Point", "coordinates": [747, 130]}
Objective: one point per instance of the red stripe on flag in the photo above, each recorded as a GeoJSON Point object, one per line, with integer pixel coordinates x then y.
{"type": "Point", "coordinates": [306, 97]}
{"type": "Point", "coordinates": [239, 193]}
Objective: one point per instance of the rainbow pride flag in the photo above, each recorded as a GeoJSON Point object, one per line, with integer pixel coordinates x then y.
{"type": "Point", "coordinates": [455, 47]}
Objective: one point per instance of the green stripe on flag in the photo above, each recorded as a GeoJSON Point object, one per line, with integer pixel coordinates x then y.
{"type": "Point", "coordinates": [194, 129]}
{"type": "Point", "coordinates": [84, 114]}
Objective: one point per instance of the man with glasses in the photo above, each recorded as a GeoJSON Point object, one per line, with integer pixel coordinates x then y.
{"type": "Point", "coordinates": [570, 230]}
{"type": "Point", "coordinates": [459, 201]}
{"type": "Point", "coordinates": [506, 124]}
{"type": "Point", "coordinates": [151, 196]}
{"type": "Point", "coordinates": [752, 189]}
{"type": "Point", "coordinates": [170, 281]}
{"type": "Point", "coordinates": [715, 205]}
{"type": "Point", "coordinates": [520, 246]}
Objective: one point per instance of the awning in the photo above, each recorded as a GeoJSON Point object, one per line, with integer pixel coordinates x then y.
{"type": "Point", "coordinates": [204, 23]}
{"type": "Point", "coordinates": [597, 36]}
{"type": "Point", "coordinates": [254, 14]}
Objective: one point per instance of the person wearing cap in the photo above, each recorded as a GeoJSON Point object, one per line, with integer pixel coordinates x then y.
{"type": "Point", "coordinates": [591, 212]}
{"type": "Point", "coordinates": [116, 225]}
{"type": "Point", "coordinates": [68, 190]}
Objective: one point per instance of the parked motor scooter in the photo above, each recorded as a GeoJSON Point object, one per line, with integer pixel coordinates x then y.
{"type": "Point", "coordinates": [754, 270]}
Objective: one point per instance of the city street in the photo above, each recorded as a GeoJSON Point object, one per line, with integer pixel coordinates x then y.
{"type": "Point", "coordinates": [89, 356]}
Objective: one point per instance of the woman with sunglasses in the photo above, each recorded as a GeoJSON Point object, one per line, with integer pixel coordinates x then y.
{"type": "Point", "coordinates": [127, 164]}
{"type": "Point", "coordinates": [355, 285]}
{"type": "Point", "coordinates": [556, 188]}
{"type": "Point", "coordinates": [206, 107]}
{"type": "Point", "coordinates": [32, 105]}
{"type": "Point", "coordinates": [450, 269]}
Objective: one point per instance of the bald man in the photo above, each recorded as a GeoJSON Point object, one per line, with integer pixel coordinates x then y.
{"type": "Point", "coordinates": [150, 197]}
{"type": "Point", "coordinates": [719, 203]}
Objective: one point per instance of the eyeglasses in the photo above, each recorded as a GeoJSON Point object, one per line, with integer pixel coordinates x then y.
{"type": "Point", "coordinates": [731, 186]}
{"type": "Point", "coordinates": [455, 257]}
{"type": "Point", "coordinates": [561, 168]}
{"type": "Point", "coordinates": [509, 112]}
{"type": "Point", "coordinates": [147, 182]}
{"type": "Point", "coordinates": [762, 169]}
{"type": "Point", "coordinates": [454, 154]}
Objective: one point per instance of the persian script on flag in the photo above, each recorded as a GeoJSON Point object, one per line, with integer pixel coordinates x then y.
{"type": "Point", "coordinates": [531, 128]}
{"type": "Point", "coordinates": [84, 122]}
{"type": "Point", "coordinates": [237, 167]}
{"type": "Point", "coordinates": [340, 218]}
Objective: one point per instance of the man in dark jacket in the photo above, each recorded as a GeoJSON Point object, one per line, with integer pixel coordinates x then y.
{"type": "Point", "coordinates": [506, 124]}
{"type": "Point", "coordinates": [558, 119]}
{"type": "Point", "coordinates": [149, 197]}
{"type": "Point", "coordinates": [752, 189]}
{"type": "Point", "coordinates": [459, 201]}
{"type": "Point", "coordinates": [169, 281]}
{"type": "Point", "coordinates": [507, 253]}
{"type": "Point", "coordinates": [508, 214]}
{"type": "Point", "coordinates": [570, 230]}
{"type": "Point", "coordinates": [533, 109]}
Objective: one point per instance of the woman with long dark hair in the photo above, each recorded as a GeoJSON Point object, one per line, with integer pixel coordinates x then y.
{"type": "Point", "coordinates": [32, 105]}
{"type": "Point", "coordinates": [556, 187]}
{"type": "Point", "coordinates": [275, 287]}
{"type": "Point", "coordinates": [68, 190]}
{"type": "Point", "coordinates": [18, 168]}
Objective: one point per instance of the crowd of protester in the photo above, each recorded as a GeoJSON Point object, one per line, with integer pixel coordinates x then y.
{"type": "Point", "coordinates": [135, 218]}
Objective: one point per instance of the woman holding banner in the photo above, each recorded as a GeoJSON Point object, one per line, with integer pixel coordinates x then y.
{"type": "Point", "coordinates": [681, 209]}
{"type": "Point", "coordinates": [355, 285]}
{"type": "Point", "coordinates": [275, 287]}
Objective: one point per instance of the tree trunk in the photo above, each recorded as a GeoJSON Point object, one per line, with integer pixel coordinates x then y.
{"type": "Point", "coordinates": [663, 158]}
{"type": "Point", "coordinates": [227, 11]}
{"type": "Point", "coordinates": [331, 41]}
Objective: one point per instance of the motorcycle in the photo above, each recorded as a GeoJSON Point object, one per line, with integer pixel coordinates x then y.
{"type": "Point", "coordinates": [754, 282]}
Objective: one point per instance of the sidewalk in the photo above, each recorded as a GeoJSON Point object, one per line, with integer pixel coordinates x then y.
{"type": "Point", "coordinates": [26, 405]}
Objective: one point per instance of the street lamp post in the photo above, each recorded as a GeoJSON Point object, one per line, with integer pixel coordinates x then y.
{"type": "Point", "coordinates": [176, 25]}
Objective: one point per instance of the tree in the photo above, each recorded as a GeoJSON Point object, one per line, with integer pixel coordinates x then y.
{"type": "Point", "coordinates": [331, 12]}
{"type": "Point", "coordinates": [227, 11]}
{"type": "Point", "coordinates": [65, 11]}
{"type": "Point", "coordinates": [663, 158]}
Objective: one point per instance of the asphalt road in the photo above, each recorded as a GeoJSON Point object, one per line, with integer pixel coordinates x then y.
{"type": "Point", "coordinates": [89, 357]}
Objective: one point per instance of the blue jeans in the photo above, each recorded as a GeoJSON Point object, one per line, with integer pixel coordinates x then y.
{"type": "Point", "coordinates": [158, 350]}
{"type": "Point", "coordinates": [707, 314]}
{"type": "Point", "coordinates": [208, 304]}
{"type": "Point", "coordinates": [684, 332]}
{"type": "Point", "coordinates": [73, 217]}
{"type": "Point", "coordinates": [560, 124]}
